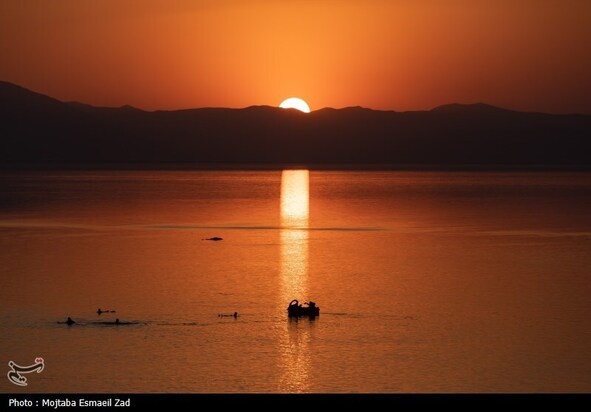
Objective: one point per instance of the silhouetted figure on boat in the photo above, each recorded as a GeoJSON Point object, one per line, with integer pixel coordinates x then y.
{"type": "Point", "coordinates": [227, 315]}
{"type": "Point", "coordinates": [215, 238]}
{"type": "Point", "coordinates": [295, 309]}
{"type": "Point", "coordinates": [70, 321]}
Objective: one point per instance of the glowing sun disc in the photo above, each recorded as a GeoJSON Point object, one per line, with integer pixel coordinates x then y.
{"type": "Point", "coordinates": [295, 103]}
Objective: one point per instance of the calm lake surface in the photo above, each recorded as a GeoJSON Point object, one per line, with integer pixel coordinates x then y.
{"type": "Point", "coordinates": [426, 281]}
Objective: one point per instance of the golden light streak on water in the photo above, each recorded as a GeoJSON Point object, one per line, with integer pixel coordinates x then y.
{"type": "Point", "coordinates": [295, 356]}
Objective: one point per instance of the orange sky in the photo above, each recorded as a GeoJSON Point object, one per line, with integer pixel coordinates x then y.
{"type": "Point", "coordinates": [530, 55]}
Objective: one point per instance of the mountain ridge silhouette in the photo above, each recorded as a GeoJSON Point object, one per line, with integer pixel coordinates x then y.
{"type": "Point", "coordinates": [36, 128]}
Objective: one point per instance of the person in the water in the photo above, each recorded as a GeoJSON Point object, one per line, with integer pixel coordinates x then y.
{"type": "Point", "coordinates": [70, 321]}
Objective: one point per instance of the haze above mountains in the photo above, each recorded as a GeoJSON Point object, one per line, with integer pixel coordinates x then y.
{"type": "Point", "coordinates": [37, 129]}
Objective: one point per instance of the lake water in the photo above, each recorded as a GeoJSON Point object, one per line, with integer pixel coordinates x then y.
{"type": "Point", "coordinates": [426, 281]}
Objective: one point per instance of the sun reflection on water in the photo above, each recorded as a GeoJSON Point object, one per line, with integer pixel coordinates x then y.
{"type": "Point", "coordinates": [295, 355]}
{"type": "Point", "coordinates": [295, 198]}
{"type": "Point", "coordinates": [294, 234]}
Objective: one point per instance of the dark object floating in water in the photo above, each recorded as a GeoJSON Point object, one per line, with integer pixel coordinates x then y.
{"type": "Point", "coordinates": [296, 310]}
{"type": "Point", "coordinates": [68, 322]}
{"type": "Point", "coordinates": [228, 315]}
{"type": "Point", "coordinates": [100, 311]}
{"type": "Point", "coordinates": [116, 322]}
{"type": "Point", "coordinates": [215, 238]}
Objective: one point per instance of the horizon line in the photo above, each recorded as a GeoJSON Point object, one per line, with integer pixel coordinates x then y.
{"type": "Point", "coordinates": [445, 105]}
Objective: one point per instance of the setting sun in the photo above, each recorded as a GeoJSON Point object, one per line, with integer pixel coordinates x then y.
{"type": "Point", "coordinates": [295, 103]}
